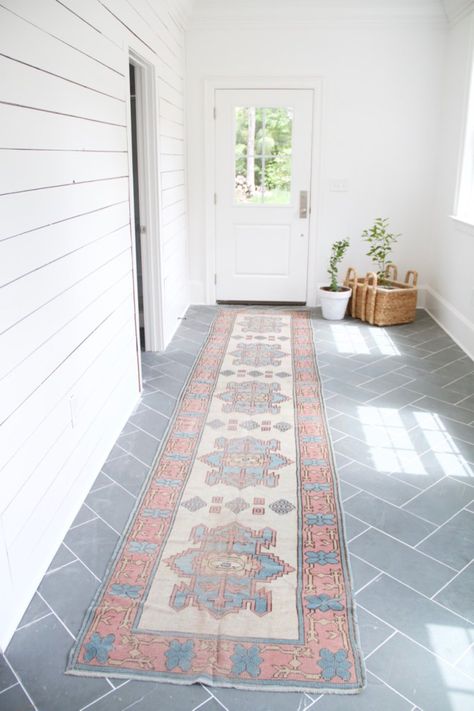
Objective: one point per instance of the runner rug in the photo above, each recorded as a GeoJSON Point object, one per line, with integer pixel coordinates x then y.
{"type": "Point", "coordinates": [233, 568]}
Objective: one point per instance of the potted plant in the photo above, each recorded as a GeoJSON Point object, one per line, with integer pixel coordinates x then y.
{"type": "Point", "coordinates": [379, 298]}
{"type": "Point", "coordinates": [381, 243]}
{"type": "Point", "coordinates": [334, 297]}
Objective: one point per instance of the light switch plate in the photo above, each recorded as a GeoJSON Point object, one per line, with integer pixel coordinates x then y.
{"type": "Point", "coordinates": [339, 185]}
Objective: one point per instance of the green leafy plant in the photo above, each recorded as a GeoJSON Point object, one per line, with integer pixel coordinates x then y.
{"type": "Point", "coordinates": [381, 242]}
{"type": "Point", "coordinates": [338, 250]}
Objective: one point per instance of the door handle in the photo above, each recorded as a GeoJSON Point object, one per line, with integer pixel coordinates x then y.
{"type": "Point", "coordinates": [303, 204]}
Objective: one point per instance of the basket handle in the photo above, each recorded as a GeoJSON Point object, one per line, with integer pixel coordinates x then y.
{"type": "Point", "coordinates": [352, 275]}
{"type": "Point", "coordinates": [414, 276]}
{"type": "Point", "coordinates": [370, 282]}
{"type": "Point", "coordinates": [391, 271]}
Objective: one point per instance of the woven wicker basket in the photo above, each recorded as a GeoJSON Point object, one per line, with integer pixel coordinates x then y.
{"type": "Point", "coordinates": [380, 306]}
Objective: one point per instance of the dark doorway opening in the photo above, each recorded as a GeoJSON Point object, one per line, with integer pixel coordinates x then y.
{"type": "Point", "coordinates": [136, 202]}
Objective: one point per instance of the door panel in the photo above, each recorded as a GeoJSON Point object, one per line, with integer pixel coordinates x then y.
{"type": "Point", "coordinates": [263, 166]}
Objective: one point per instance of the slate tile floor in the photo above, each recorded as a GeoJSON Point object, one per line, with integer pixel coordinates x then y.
{"type": "Point", "coordinates": [400, 404]}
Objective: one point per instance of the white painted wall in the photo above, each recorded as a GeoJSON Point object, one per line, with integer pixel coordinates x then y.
{"type": "Point", "coordinates": [381, 67]}
{"type": "Point", "coordinates": [67, 325]}
{"type": "Point", "coordinates": [450, 298]}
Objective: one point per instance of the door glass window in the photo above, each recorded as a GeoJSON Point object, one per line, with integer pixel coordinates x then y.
{"type": "Point", "coordinates": [263, 155]}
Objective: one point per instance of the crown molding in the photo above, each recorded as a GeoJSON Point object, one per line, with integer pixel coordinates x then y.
{"type": "Point", "coordinates": [457, 10]}
{"type": "Point", "coordinates": [314, 14]}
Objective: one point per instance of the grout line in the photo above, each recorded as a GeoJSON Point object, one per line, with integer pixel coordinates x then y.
{"type": "Point", "coordinates": [131, 454]}
{"type": "Point", "coordinates": [443, 478]}
{"type": "Point", "coordinates": [112, 483]}
{"type": "Point", "coordinates": [464, 654]}
{"type": "Point", "coordinates": [7, 688]}
{"type": "Point", "coordinates": [33, 622]}
{"type": "Point", "coordinates": [98, 516]}
{"type": "Point", "coordinates": [450, 581]}
{"type": "Point", "coordinates": [141, 428]}
{"type": "Point", "coordinates": [349, 540]}
{"type": "Point", "coordinates": [398, 540]}
{"type": "Point", "coordinates": [372, 580]}
{"type": "Point", "coordinates": [79, 560]}
{"type": "Point", "coordinates": [56, 615]}
{"type": "Point", "coordinates": [214, 697]}
{"type": "Point", "coordinates": [430, 651]}
{"type": "Point", "coordinates": [203, 703]}
{"type": "Point", "coordinates": [441, 525]}
{"type": "Point", "coordinates": [22, 686]}
{"type": "Point", "coordinates": [99, 698]}
{"type": "Point", "coordinates": [389, 575]}
{"type": "Point", "coordinates": [381, 643]}
{"type": "Point", "coordinates": [393, 689]}
{"type": "Point", "coordinates": [379, 498]}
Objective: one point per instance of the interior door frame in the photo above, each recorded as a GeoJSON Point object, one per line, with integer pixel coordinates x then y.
{"type": "Point", "coordinates": [213, 84]}
{"type": "Point", "coordinates": [148, 179]}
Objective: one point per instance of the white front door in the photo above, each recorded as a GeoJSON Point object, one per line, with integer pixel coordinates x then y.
{"type": "Point", "coordinates": [263, 176]}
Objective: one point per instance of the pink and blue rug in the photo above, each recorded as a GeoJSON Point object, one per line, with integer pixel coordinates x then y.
{"type": "Point", "coordinates": [233, 568]}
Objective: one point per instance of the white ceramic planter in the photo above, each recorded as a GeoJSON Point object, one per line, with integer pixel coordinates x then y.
{"type": "Point", "coordinates": [334, 303]}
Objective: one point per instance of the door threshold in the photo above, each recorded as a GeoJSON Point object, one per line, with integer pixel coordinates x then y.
{"type": "Point", "coordinates": [261, 303]}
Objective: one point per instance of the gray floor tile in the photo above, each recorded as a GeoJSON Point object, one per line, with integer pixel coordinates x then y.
{"type": "Point", "coordinates": [35, 610]}
{"type": "Point", "coordinates": [178, 356]}
{"type": "Point", "coordinates": [404, 563]}
{"type": "Point", "coordinates": [15, 699]}
{"type": "Point", "coordinates": [359, 394]}
{"type": "Point", "coordinates": [123, 697]}
{"type": "Point", "coordinates": [237, 699]}
{"type": "Point", "coordinates": [388, 518]}
{"type": "Point", "coordinates": [161, 402]}
{"type": "Point", "coordinates": [93, 543]}
{"type": "Point", "coordinates": [84, 515]}
{"type": "Point", "coordinates": [102, 480]}
{"type": "Point", "coordinates": [379, 484]}
{"type": "Point", "coordinates": [396, 399]}
{"type": "Point", "coordinates": [375, 697]}
{"type": "Point", "coordinates": [427, 388]}
{"type": "Point", "coordinates": [62, 557]}
{"type": "Point", "coordinates": [352, 526]}
{"type": "Point", "coordinates": [437, 629]}
{"type": "Point", "coordinates": [426, 680]}
{"type": "Point", "coordinates": [464, 385]}
{"type": "Point", "coordinates": [347, 490]}
{"type": "Point", "coordinates": [387, 382]}
{"type": "Point", "coordinates": [42, 673]}
{"type": "Point", "coordinates": [128, 471]}
{"type": "Point", "coordinates": [70, 591]}
{"type": "Point", "coordinates": [142, 445]}
{"type": "Point", "coordinates": [361, 572]}
{"type": "Point", "coordinates": [372, 632]}
{"type": "Point", "coordinates": [453, 543]}
{"type": "Point", "coordinates": [443, 409]}
{"type": "Point", "coordinates": [150, 421]}
{"type": "Point", "coordinates": [172, 697]}
{"type": "Point", "coordinates": [458, 594]}
{"type": "Point", "coordinates": [7, 677]}
{"type": "Point", "coordinates": [441, 501]}
{"type": "Point", "coordinates": [113, 504]}
{"type": "Point", "coordinates": [466, 664]}
{"type": "Point", "coordinates": [115, 452]}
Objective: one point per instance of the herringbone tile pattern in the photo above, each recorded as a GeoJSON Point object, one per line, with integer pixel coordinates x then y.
{"type": "Point", "coordinates": [400, 403]}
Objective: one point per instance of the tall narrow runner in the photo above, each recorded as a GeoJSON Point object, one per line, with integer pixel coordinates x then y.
{"type": "Point", "coordinates": [233, 568]}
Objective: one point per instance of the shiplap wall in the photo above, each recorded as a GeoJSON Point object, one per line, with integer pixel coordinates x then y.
{"type": "Point", "coordinates": [67, 324]}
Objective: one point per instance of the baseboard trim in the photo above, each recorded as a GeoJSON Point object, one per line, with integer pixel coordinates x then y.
{"type": "Point", "coordinates": [451, 320]}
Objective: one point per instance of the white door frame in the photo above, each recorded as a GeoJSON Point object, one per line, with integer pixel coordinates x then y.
{"type": "Point", "coordinates": [148, 179]}
{"type": "Point", "coordinates": [210, 87]}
